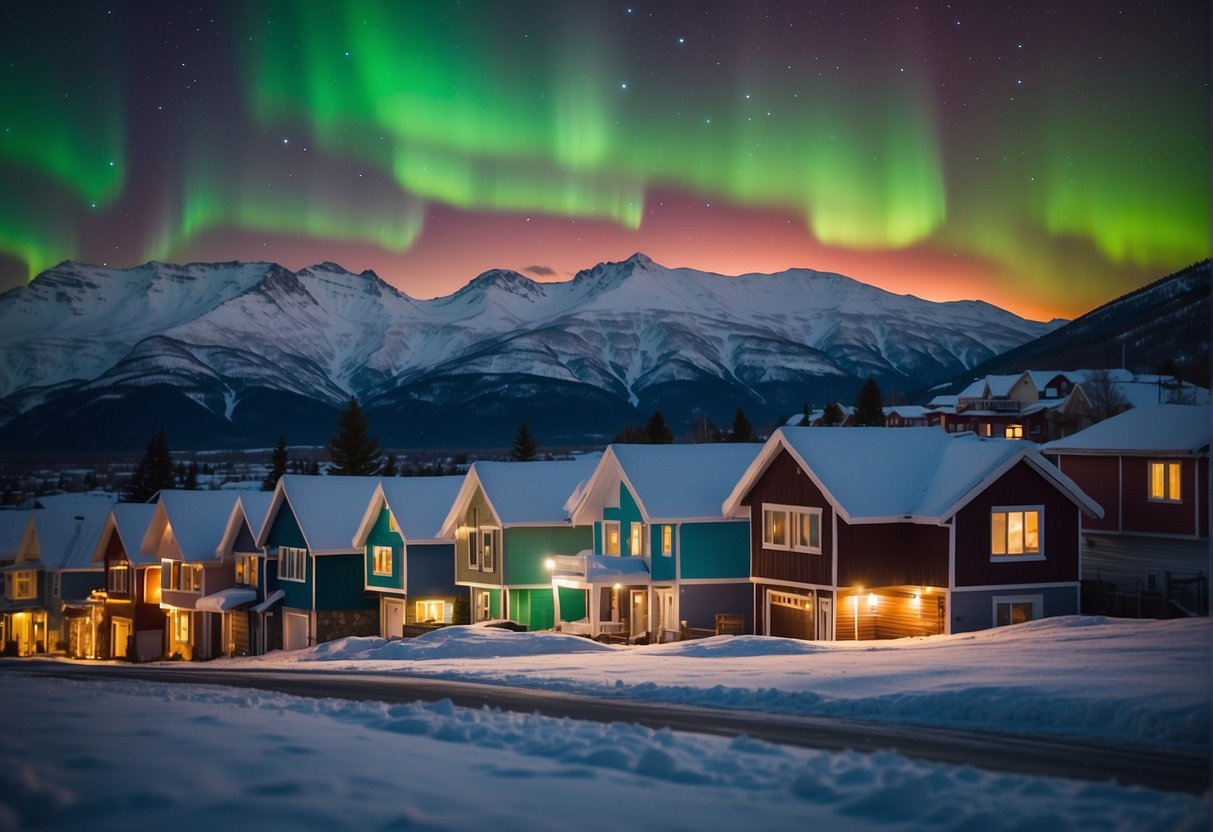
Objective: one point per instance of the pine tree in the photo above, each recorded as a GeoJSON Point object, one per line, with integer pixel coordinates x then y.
{"type": "Point", "coordinates": [869, 405]}
{"type": "Point", "coordinates": [278, 463]}
{"type": "Point", "coordinates": [153, 473]}
{"type": "Point", "coordinates": [657, 432]}
{"type": "Point", "coordinates": [742, 430]}
{"type": "Point", "coordinates": [191, 477]}
{"type": "Point", "coordinates": [389, 467]}
{"type": "Point", "coordinates": [831, 415]}
{"type": "Point", "coordinates": [525, 445]}
{"type": "Point", "coordinates": [354, 453]}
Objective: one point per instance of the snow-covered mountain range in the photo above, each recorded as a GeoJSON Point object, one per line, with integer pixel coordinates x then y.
{"type": "Point", "coordinates": [240, 352]}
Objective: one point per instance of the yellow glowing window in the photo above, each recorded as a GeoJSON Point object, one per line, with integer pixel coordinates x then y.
{"type": "Point", "coordinates": [1013, 432]}
{"type": "Point", "coordinates": [1165, 482]}
{"type": "Point", "coordinates": [775, 528]}
{"type": "Point", "coordinates": [181, 626]}
{"type": "Point", "coordinates": [382, 560]}
{"type": "Point", "coordinates": [636, 539]}
{"type": "Point", "coordinates": [1015, 532]}
{"type": "Point", "coordinates": [667, 540]}
{"type": "Point", "coordinates": [432, 611]}
{"type": "Point", "coordinates": [807, 530]}
{"type": "Point", "coordinates": [23, 585]}
{"type": "Point", "coordinates": [610, 538]}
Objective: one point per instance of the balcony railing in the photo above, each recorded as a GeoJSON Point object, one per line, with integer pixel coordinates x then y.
{"type": "Point", "coordinates": [993, 405]}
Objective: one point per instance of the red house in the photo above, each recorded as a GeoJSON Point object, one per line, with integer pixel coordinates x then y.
{"type": "Point", "coordinates": [861, 533]}
{"type": "Point", "coordinates": [133, 624]}
{"type": "Point", "coordinates": [1149, 468]}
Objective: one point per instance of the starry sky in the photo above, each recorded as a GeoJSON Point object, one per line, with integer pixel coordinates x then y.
{"type": "Point", "coordinates": [1045, 157]}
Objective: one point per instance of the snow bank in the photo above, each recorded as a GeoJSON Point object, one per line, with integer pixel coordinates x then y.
{"type": "Point", "coordinates": [453, 643]}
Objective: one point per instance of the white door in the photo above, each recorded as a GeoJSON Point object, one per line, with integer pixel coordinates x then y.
{"type": "Point", "coordinates": [638, 613]}
{"type": "Point", "coordinates": [294, 630]}
{"type": "Point", "coordinates": [825, 619]}
{"type": "Point", "coordinates": [393, 619]}
{"type": "Point", "coordinates": [120, 633]}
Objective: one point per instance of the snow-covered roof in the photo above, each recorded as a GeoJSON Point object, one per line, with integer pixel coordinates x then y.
{"type": "Point", "coordinates": [1159, 428]}
{"type": "Point", "coordinates": [256, 505]}
{"type": "Point", "coordinates": [226, 599]}
{"type": "Point", "coordinates": [975, 390]}
{"type": "Point", "coordinates": [249, 510]}
{"type": "Point", "coordinates": [130, 522]}
{"type": "Point", "coordinates": [906, 411]}
{"type": "Point", "coordinates": [419, 504]}
{"type": "Point", "coordinates": [1001, 385]}
{"type": "Point", "coordinates": [66, 534]}
{"type": "Point", "coordinates": [523, 493]}
{"type": "Point", "coordinates": [607, 569]}
{"type": "Point", "coordinates": [198, 520]}
{"type": "Point", "coordinates": [669, 482]}
{"type": "Point", "coordinates": [328, 509]}
{"type": "Point", "coordinates": [901, 474]}
{"type": "Point", "coordinates": [12, 529]}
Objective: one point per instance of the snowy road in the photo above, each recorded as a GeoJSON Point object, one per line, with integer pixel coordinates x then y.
{"type": "Point", "coordinates": [1166, 769]}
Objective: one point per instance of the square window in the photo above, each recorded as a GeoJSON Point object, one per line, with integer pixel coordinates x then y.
{"type": "Point", "coordinates": [1015, 532]}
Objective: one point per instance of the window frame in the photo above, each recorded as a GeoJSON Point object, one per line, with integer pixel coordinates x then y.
{"type": "Point", "coordinates": [377, 554]}
{"type": "Point", "coordinates": [1037, 601]}
{"type": "Point", "coordinates": [791, 528]}
{"type": "Point", "coordinates": [296, 558]}
{"type": "Point", "coordinates": [488, 554]}
{"type": "Point", "coordinates": [182, 623]}
{"type": "Point", "coordinates": [247, 570]}
{"type": "Point", "coordinates": [667, 540]}
{"type": "Point", "coordinates": [638, 534]}
{"type": "Point", "coordinates": [1013, 431]}
{"type": "Point", "coordinates": [1008, 556]}
{"type": "Point", "coordinates": [607, 527]}
{"type": "Point", "coordinates": [27, 577]}
{"type": "Point", "coordinates": [1166, 496]}
{"type": "Point", "coordinates": [118, 577]}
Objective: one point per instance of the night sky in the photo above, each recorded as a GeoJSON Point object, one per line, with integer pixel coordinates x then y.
{"type": "Point", "coordinates": [1046, 157]}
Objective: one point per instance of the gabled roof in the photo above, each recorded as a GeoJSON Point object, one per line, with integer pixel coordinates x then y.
{"type": "Point", "coordinates": [328, 509]}
{"type": "Point", "coordinates": [920, 475]}
{"type": "Point", "coordinates": [12, 530]}
{"type": "Point", "coordinates": [249, 510]}
{"type": "Point", "coordinates": [419, 504]}
{"type": "Point", "coordinates": [130, 522]}
{"type": "Point", "coordinates": [523, 493]}
{"type": "Point", "coordinates": [66, 534]}
{"type": "Point", "coordinates": [198, 520]}
{"type": "Point", "coordinates": [670, 482]}
{"type": "Point", "coordinates": [1159, 428]}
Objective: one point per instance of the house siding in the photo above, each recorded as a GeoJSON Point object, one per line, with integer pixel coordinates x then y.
{"type": "Point", "coordinates": [285, 531]}
{"type": "Point", "coordinates": [974, 610]}
{"type": "Point", "coordinates": [526, 549]}
{"type": "Point", "coordinates": [464, 574]}
{"type": "Point", "coordinates": [626, 513]}
{"type": "Point", "coordinates": [713, 550]}
{"type": "Point", "coordinates": [431, 570]}
{"type": "Point", "coordinates": [662, 567]}
{"type": "Point", "coordinates": [533, 607]}
{"type": "Point", "coordinates": [381, 534]}
{"type": "Point", "coordinates": [1020, 486]}
{"type": "Point", "coordinates": [698, 604]}
{"type": "Point", "coordinates": [892, 554]}
{"type": "Point", "coordinates": [339, 584]}
{"type": "Point", "coordinates": [572, 604]}
{"type": "Point", "coordinates": [1144, 516]}
{"type": "Point", "coordinates": [784, 483]}
{"type": "Point", "coordinates": [1099, 478]}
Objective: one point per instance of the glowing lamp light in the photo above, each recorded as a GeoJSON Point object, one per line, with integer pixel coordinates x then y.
{"type": "Point", "coordinates": [618, 586]}
{"type": "Point", "coordinates": [916, 601]}
{"type": "Point", "coordinates": [872, 600]}
{"type": "Point", "coordinates": [549, 564]}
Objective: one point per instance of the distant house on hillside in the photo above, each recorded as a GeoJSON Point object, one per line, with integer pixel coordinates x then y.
{"type": "Point", "coordinates": [665, 560]}
{"type": "Point", "coordinates": [507, 520]}
{"type": "Point", "coordinates": [876, 533]}
{"type": "Point", "coordinates": [1149, 468]}
{"type": "Point", "coordinates": [408, 565]}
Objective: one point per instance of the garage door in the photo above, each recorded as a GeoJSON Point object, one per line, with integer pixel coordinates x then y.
{"type": "Point", "coordinates": [791, 615]}
{"type": "Point", "coordinates": [294, 630]}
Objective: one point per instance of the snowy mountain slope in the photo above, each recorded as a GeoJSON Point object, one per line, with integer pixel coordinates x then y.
{"type": "Point", "coordinates": [634, 331]}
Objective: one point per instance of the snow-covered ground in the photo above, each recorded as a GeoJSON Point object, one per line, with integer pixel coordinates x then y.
{"type": "Point", "coordinates": [109, 755]}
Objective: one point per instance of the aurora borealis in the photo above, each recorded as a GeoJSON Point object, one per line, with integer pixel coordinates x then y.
{"type": "Point", "coordinates": [1044, 157]}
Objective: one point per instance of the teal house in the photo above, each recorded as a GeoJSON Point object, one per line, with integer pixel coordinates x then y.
{"type": "Point", "coordinates": [308, 532]}
{"type": "Point", "coordinates": [509, 522]}
{"type": "Point", "coordinates": [407, 565]}
{"type": "Point", "coordinates": [665, 561]}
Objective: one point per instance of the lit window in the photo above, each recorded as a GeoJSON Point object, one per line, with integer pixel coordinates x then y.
{"type": "Point", "coordinates": [1017, 609]}
{"type": "Point", "coordinates": [636, 540]}
{"type": "Point", "coordinates": [292, 563]}
{"type": "Point", "coordinates": [483, 606]}
{"type": "Point", "coordinates": [391, 522]}
{"type": "Point", "coordinates": [246, 570]}
{"type": "Point", "coordinates": [610, 538]}
{"type": "Point", "coordinates": [986, 429]}
{"type": "Point", "coordinates": [181, 626]}
{"type": "Point", "coordinates": [23, 585]}
{"type": "Point", "coordinates": [807, 530]}
{"type": "Point", "coordinates": [775, 528]}
{"type": "Point", "coordinates": [667, 540]}
{"type": "Point", "coordinates": [434, 612]}
{"type": "Point", "coordinates": [1165, 482]}
{"type": "Point", "coordinates": [1015, 532]}
{"type": "Point", "coordinates": [1013, 432]}
{"type": "Point", "coordinates": [488, 550]}
{"type": "Point", "coordinates": [382, 556]}
{"type": "Point", "coordinates": [118, 579]}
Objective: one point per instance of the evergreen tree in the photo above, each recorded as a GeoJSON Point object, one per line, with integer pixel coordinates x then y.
{"type": "Point", "coordinates": [869, 405]}
{"type": "Point", "coordinates": [153, 473]}
{"type": "Point", "coordinates": [631, 435]}
{"type": "Point", "coordinates": [831, 415]}
{"type": "Point", "coordinates": [191, 477]}
{"type": "Point", "coordinates": [742, 430]}
{"type": "Point", "coordinates": [278, 464]}
{"type": "Point", "coordinates": [525, 445]}
{"type": "Point", "coordinates": [389, 467]}
{"type": "Point", "coordinates": [657, 432]}
{"type": "Point", "coordinates": [354, 453]}
{"type": "Point", "coordinates": [313, 470]}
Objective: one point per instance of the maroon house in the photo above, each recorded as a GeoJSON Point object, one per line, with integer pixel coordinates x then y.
{"type": "Point", "coordinates": [860, 533]}
{"type": "Point", "coordinates": [1149, 468]}
{"type": "Point", "coordinates": [132, 625]}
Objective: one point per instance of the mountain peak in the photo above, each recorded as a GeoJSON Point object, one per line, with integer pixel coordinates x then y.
{"type": "Point", "coordinates": [505, 281]}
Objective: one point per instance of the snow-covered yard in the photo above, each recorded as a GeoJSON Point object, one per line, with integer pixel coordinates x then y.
{"type": "Point", "coordinates": [110, 755]}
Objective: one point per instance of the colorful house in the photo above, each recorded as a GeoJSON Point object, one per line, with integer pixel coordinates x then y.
{"type": "Point", "coordinates": [309, 532]}
{"type": "Point", "coordinates": [185, 534]}
{"type": "Point", "coordinates": [245, 609]}
{"type": "Point", "coordinates": [508, 520]}
{"type": "Point", "coordinates": [407, 564]}
{"type": "Point", "coordinates": [48, 605]}
{"type": "Point", "coordinates": [132, 625]}
{"type": "Point", "coordinates": [665, 560]}
{"type": "Point", "coordinates": [1149, 468]}
{"type": "Point", "coordinates": [863, 533]}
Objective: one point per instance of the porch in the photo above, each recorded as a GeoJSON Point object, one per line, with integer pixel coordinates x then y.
{"type": "Point", "coordinates": [616, 591]}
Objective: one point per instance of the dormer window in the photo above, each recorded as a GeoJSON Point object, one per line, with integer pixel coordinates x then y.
{"type": "Point", "coordinates": [118, 577]}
